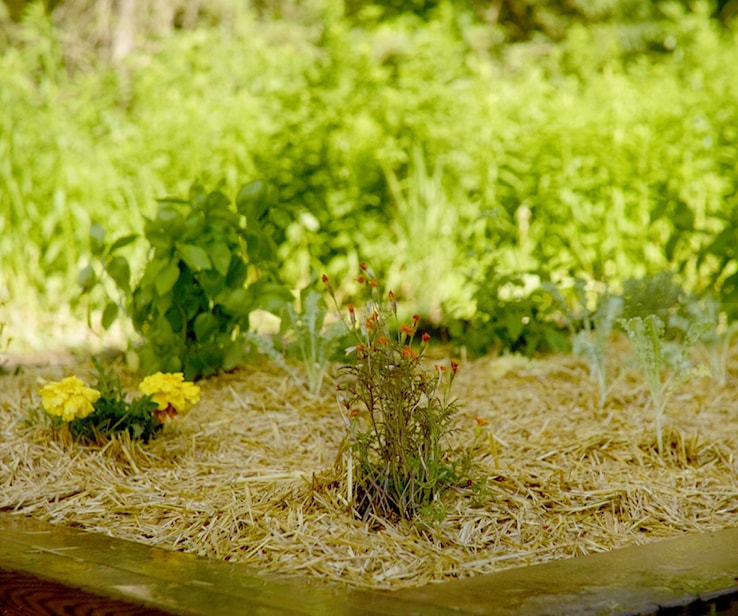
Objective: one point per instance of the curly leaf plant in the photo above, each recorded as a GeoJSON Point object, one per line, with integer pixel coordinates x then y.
{"type": "Point", "coordinates": [591, 328]}
{"type": "Point", "coordinates": [99, 412]}
{"type": "Point", "coordinates": [656, 356]}
{"type": "Point", "coordinates": [209, 266]}
{"type": "Point", "coordinates": [398, 414]}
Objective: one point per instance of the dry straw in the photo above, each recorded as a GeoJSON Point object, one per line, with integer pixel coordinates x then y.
{"type": "Point", "coordinates": [250, 476]}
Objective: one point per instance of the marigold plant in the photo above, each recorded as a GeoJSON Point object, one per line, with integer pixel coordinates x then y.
{"type": "Point", "coordinates": [171, 393]}
{"type": "Point", "coordinates": [398, 413]}
{"type": "Point", "coordinates": [69, 399]}
{"type": "Point", "coordinates": [98, 412]}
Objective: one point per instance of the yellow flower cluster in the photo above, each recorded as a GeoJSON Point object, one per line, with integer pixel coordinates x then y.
{"type": "Point", "coordinates": [171, 390]}
{"type": "Point", "coordinates": [69, 398]}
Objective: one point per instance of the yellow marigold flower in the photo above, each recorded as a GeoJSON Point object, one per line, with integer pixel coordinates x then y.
{"type": "Point", "coordinates": [68, 398]}
{"type": "Point", "coordinates": [171, 390]}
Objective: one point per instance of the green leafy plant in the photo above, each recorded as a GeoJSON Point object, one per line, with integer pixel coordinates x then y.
{"type": "Point", "coordinates": [591, 328]}
{"type": "Point", "coordinates": [99, 412]}
{"type": "Point", "coordinates": [716, 342]}
{"type": "Point", "coordinates": [515, 314]}
{"type": "Point", "coordinates": [398, 414]}
{"type": "Point", "coordinates": [665, 363]}
{"type": "Point", "coordinates": [209, 267]}
{"type": "Point", "coordinates": [315, 341]}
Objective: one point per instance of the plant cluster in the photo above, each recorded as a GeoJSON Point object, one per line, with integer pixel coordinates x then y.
{"type": "Point", "coordinates": [591, 318]}
{"type": "Point", "coordinates": [209, 267]}
{"type": "Point", "coordinates": [99, 412]}
{"type": "Point", "coordinates": [548, 188]}
{"type": "Point", "coordinates": [665, 363]}
{"type": "Point", "coordinates": [398, 413]}
{"type": "Point", "coordinates": [515, 314]}
{"type": "Point", "coordinates": [315, 341]}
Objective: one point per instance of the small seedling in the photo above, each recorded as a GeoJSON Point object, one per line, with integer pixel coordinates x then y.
{"type": "Point", "coordinates": [591, 329]}
{"type": "Point", "coordinates": [316, 342]}
{"type": "Point", "coordinates": [715, 344]}
{"type": "Point", "coordinates": [655, 356]}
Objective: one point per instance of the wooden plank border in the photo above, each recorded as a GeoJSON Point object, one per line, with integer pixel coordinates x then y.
{"type": "Point", "coordinates": [48, 569]}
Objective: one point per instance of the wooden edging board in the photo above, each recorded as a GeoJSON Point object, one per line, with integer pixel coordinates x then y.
{"type": "Point", "coordinates": [48, 569]}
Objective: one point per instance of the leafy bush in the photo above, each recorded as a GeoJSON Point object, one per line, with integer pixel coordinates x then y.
{"type": "Point", "coordinates": [515, 314]}
{"type": "Point", "coordinates": [395, 139]}
{"type": "Point", "coordinates": [210, 266]}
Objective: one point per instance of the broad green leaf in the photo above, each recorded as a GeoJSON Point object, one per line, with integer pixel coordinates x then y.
{"type": "Point", "coordinates": [205, 325]}
{"type": "Point", "coordinates": [123, 241]}
{"type": "Point", "coordinates": [251, 200]}
{"type": "Point", "coordinates": [683, 217]}
{"type": "Point", "coordinates": [216, 200]}
{"type": "Point", "coordinates": [166, 214]}
{"type": "Point", "coordinates": [109, 315]}
{"type": "Point", "coordinates": [153, 269]}
{"type": "Point", "coordinates": [270, 296]}
{"type": "Point", "coordinates": [220, 255]}
{"type": "Point", "coordinates": [279, 217]}
{"type": "Point", "coordinates": [234, 355]}
{"type": "Point", "coordinates": [119, 270]}
{"type": "Point", "coordinates": [157, 235]}
{"type": "Point", "coordinates": [170, 221]}
{"type": "Point", "coordinates": [194, 256]}
{"type": "Point", "coordinates": [198, 194]}
{"type": "Point", "coordinates": [237, 302]}
{"type": "Point", "coordinates": [87, 278]}
{"type": "Point", "coordinates": [97, 239]}
{"type": "Point", "coordinates": [167, 278]}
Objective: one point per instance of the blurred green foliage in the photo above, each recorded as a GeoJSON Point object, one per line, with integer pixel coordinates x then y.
{"type": "Point", "coordinates": [422, 141]}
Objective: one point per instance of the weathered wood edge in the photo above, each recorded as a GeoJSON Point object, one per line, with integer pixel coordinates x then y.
{"type": "Point", "coordinates": [694, 570]}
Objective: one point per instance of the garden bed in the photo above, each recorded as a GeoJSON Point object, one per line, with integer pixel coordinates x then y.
{"type": "Point", "coordinates": [249, 475]}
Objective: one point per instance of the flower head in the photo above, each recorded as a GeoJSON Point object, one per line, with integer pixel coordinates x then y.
{"type": "Point", "coordinates": [407, 330]}
{"type": "Point", "coordinates": [171, 390]}
{"type": "Point", "coordinates": [68, 398]}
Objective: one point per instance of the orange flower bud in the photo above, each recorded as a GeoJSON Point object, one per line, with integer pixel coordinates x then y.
{"type": "Point", "coordinates": [426, 337]}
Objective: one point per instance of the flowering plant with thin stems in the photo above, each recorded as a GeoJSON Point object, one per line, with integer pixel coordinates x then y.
{"type": "Point", "coordinates": [398, 413]}
{"type": "Point", "coordinates": [96, 413]}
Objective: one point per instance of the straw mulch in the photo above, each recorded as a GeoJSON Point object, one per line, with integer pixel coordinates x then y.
{"type": "Point", "coordinates": [248, 475]}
